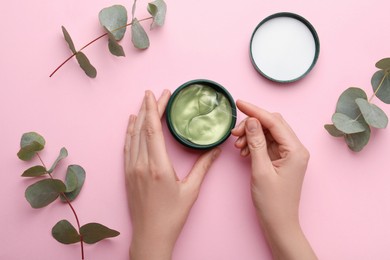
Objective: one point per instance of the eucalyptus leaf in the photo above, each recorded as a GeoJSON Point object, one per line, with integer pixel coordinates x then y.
{"type": "Point", "coordinates": [113, 18]}
{"type": "Point", "coordinates": [69, 40]}
{"type": "Point", "coordinates": [44, 192]}
{"type": "Point", "coordinates": [114, 47]}
{"type": "Point", "coordinates": [333, 131]}
{"type": "Point", "coordinates": [86, 65]}
{"type": "Point", "coordinates": [80, 174]}
{"type": "Point", "coordinates": [71, 181]}
{"type": "Point", "coordinates": [65, 233]}
{"type": "Point", "coordinates": [138, 35]}
{"type": "Point", "coordinates": [94, 232]}
{"type": "Point", "coordinates": [381, 79]}
{"type": "Point", "coordinates": [373, 115]}
{"type": "Point", "coordinates": [346, 103]}
{"type": "Point", "coordinates": [158, 10]}
{"type": "Point", "coordinates": [383, 64]}
{"type": "Point", "coordinates": [27, 152]}
{"type": "Point", "coordinates": [356, 142]}
{"type": "Point", "coordinates": [35, 171]}
{"type": "Point", "coordinates": [346, 124]}
{"type": "Point", "coordinates": [63, 154]}
{"type": "Point", "coordinates": [30, 137]}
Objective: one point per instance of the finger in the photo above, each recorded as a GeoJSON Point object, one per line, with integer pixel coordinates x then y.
{"type": "Point", "coordinates": [140, 149]}
{"type": "Point", "coordinates": [241, 142]}
{"type": "Point", "coordinates": [163, 101]}
{"type": "Point", "coordinates": [276, 125]}
{"type": "Point", "coordinates": [128, 144]}
{"type": "Point", "coordinates": [244, 151]}
{"type": "Point", "coordinates": [240, 129]}
{"type": "Point", "coordinates": [152, 131]}
{"type": "Point", "coordinates": [257, 145]}
{"type": "Point", "coordinates": [201, 167]}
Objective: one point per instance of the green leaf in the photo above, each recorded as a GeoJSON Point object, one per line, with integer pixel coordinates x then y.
{"type": "Point", "coordinates": [346, 103]}
{"type": "Point", "coordinates": [30, 137]}
{"type": "Point", "coordinates": [27, 152]}
{"type": "Point", "coordinates": [356, 142]}
{"type": "Point", "coordinates": [34, 171]}
{"type": "Point", "coordinates": [65, 233]}
{"type": "Point", "coordinates": [158, 10]}
{"type": "Point", "coordinates": [383, 93]}
{"type": "Point", "coordinates": [80, 174]}
{"type": "Point", "coordinates": [112, 18]}
{"type": "Point", "coordinates": [138, 35]}
{"type": "Point", "coordinates": [346, 124]}
{"type": "Point", "coordinates": [44, 192]}
{"type": "Point", "coordinates": [71, 181]}
{"type": "Point", "coordinates": [94, 232]}
{"type": "Point", "coordinates": [373, 115]}
{"type": "Point", "coordinates": [114, 47]}
{"type": "Point", "coordinates": [68, 39]}
{"type": "Point", "coordinates": [333, 131]}
{"type": "Point", "coordinates": [383, 64]}
{"type": "Point", "coordinates": [86, 65]}
{"type": "Point", "coordinates": [63, 154]}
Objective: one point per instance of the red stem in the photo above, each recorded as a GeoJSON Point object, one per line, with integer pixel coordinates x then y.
{"type": "Point", "coordinates": [71, 207]}
{"type": "Point", "coordinates": [96, 39]}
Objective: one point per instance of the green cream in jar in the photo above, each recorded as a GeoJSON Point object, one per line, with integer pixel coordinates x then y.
{"type": "Point", "coordinates": [201, 114]}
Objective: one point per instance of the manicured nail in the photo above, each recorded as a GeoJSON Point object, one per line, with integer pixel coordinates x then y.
{"type": "Point", "coordinates": [252, 125]}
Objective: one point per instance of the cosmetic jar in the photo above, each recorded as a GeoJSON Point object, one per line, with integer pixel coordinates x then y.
{"type": "Point", "coordinates": [200, 114]}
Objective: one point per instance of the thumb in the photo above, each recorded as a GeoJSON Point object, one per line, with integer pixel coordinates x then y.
{"type": "Point", "coordinates": [257, 144]}
{"type": "Point", "coordinates": [201, 167]}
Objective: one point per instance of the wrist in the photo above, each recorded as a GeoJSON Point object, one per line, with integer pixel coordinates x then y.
{"type": "Point", "coordinates": [143, 248]}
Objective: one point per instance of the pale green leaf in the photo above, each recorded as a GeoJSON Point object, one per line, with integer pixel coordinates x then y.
{"type": "Point", "coordinates": [94, 232]}
{"type": "Point", "coordinates": [30, 137]}
{"type": "Point", "coordinates": [383, 64]}
{"type": "Point", "coordinates": [86, 65]}
{"type": "Point", "coordinates": [27, 152]}
{"type": "Point", "coordinates": [65, 233]}
{"type": "Point", "coordinates": [44, 192]}
{"type": "Point", "coordinates": [346, 103]}
{"type": "Point", "coordinates": [80, 174]}
{"type": "Point", "coordinates": [333, 131]}
{"type": "Point", "coordinates": [373, 115]}
{"type": "Point", "coordinates": [356, 142]}
{"type": "Point", "coordinates": [382, 80]}
{"type": "Point", "coordinates": [63, 154]}
{"type": "Point", "coordinates": [69, 40]}
{"type": "Point", "coordinates": [158, 10]}
{"type": "Point", "coordinates": [35, 171]}
{"type": "Point", "coordinates": [138, 35]}
{"type": "Point", "coordinates": [113, 18]}
{"type": "Point", "coordinates": [346, 124]}
{"type": "Point", "coordinates": [114, 47]}
{"type": "Point", "coordinates": [71, 181]}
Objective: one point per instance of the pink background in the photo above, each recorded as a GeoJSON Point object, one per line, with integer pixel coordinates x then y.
{"type": "Point", "coordinates": [345, 208]}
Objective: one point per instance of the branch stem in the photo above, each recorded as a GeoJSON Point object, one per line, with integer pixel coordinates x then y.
{"type": "Point", "coordinates": [94, 40]}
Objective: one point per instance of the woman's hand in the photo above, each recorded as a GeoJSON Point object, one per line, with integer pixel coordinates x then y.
{"type": "Point", "coordinates": [159, 202]}
{"type": "Point", "coordinates": [279, 162]}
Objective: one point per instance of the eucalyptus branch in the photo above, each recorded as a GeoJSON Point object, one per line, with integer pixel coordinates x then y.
{"type": "Point", "coordinates": [93, 41]}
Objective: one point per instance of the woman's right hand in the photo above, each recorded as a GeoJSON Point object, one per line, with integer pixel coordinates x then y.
{"type": "Point", "coordinates": [279, 162]}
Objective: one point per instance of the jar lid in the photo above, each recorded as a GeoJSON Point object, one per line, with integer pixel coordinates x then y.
{"type": "Point", "coordinates": [284, 47]}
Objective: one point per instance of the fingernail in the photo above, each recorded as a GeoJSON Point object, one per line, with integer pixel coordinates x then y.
{"type": "Point", "coordinates": [252, 125]}
{"type": "Point", "coordinates": [216, 153]}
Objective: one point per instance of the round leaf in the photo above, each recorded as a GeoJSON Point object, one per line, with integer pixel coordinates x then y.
{"type": "Point", "coordinates": [112, 18]}
{"type": "Point", "coordinates": [346, 103]}
{"type": "Point", "coordinates": [68, 39]}
{"type": "Point", "coordinates": [44, 192]}
{"type": "Point", "coordinates": [80, 174]}
{"type": "Point", "coordinates": [65, 233]}
{"type": "Point", "coordinates": [63, 154]}
{"type": "Point", "coordinates": [71, 181]}
{"type": "Point", "coordinates": [114, 47]}
{"type": "Point", "coordinates": [383, 93]}
{"type": "Point", "coordinates": [373, 115]}
{"type": "Point", "coordinates": [138, 35]}
{"type": "Point", "coordinates": [158, 10]}
{"type": "Point", "coordinates": [86, 65]}
{"type": "Point", "coordinates": [356, 142]}
{"type": "Point", "coordinates": [346, 124]}
{"type": "Point", "coordinates": [333, 131]}
{"type": "Point", "coordinates": [94, 232]}
{"type": "Point", "coordinates": [383, 64]}
{"type": "Point", "coordinates": [34, 171]}
{"type": "Point", "coordinates": [27, 152]}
